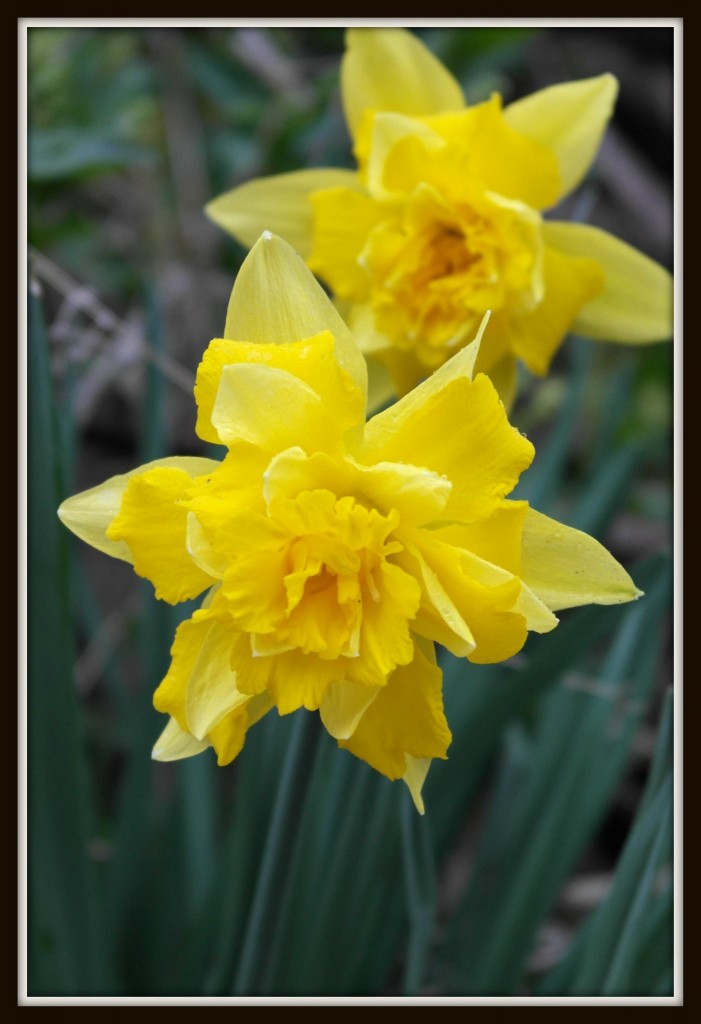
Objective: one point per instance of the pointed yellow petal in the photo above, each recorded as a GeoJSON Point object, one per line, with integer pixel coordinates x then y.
{"type": "Point", "coordinates": [229, 735]}
{"type": "Point", "coordinates": [406, 717]}
{"type": "Point", "coordinates": [276, 300]}
{"type": "Point", "coordinates": [569, 119]}
{"type": "Point", "coordinates": [279, 203]}
{"type": "Point", "coordinates": [343, 706]}
{"type": "Point", "coordinates": [383, 428]}
{"type": "Point", "coordinates": [538, 616]}
{"type": "Point", "coordinates": [460, 432]}
{"type": "Point", "coordinates": [211, 688]}
{"type": "Point", "coordinates": [153, 524]}
{"type": "Point", "coordinates": [174, 743]}
{"type": "Point", "coordinates": [171, 694]}
{"type": "Point", "coordinates": [566, 568]}
{"type": "Point", "coordinates": [636, 302]}
{"type": "Point", "coordinates": [89, 513]}
{"type": "Point", "coordinates": [390, 69]}
{"type": "Point", "coordinates": [415, 776]}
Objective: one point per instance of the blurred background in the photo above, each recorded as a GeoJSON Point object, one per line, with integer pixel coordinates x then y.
{"type": "Point", "coordinates": [543, 864]}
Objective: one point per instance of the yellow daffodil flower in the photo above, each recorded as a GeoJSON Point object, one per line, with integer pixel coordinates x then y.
{"type": "Point", "coordinates": [443, 220]}
{"type": "Point", "coordinates": [333, 554]}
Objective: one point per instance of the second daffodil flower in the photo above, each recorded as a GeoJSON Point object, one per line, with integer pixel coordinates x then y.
{"type": "Point", "coordinates": [333, 554]}
{"type": "Point", "coordinates": [442, 221]}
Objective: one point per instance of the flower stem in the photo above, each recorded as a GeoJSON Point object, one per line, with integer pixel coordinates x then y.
{"type": "Point", "coordinates": [298, 765]}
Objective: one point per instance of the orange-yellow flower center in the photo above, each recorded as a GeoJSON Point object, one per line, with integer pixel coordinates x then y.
{"type": "Point", "coordinates": [436, 268]}
{"type": "Point", "coordinates": [318, 565]}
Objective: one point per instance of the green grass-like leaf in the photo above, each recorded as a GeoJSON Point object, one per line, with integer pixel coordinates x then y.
{"type": "Point", "coordinates": [575, 755]}
{"type": "Point", "coordinates": [65, 952]}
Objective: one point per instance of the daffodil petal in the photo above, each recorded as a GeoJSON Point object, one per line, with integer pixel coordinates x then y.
{"type": "Point", "coordinates": [496, 540]}
{"type": "Point", "coordinates": [253, 587]}
{"type": "Point", "coordinates": [343, 705]}
{"type": "Point", "coordinates": [406, 717]}
{"type": "Point", "coordinates": [538, 616]}
{"type": "Point", "coordinates": [414, 777]}
{"type": "Point", "coordinates": [275, 300]}
{"type": "Point", "coordinates": [292, 679]}
{"type": "Point", "coordinates": [218, 498]}
{"type": "Point", "coordinates": [509, 161]}
{"type": "Point", "coordinates": [569, 119]}
{"type": "Point", "coordinates": [293, 471]}
{"type": "Point", "coordinates": [202, 550]}
{"type": "Point", "coordinates": [566, 568]}
{"type": "Point", "coordinates": [229, 735]}
{"type": "Point", "coordinates": [270, 408]}
{"type": "Point", "coordinates": [387, 134]}
{"type": "Point", "coordinates": [391, 69]}
{"type": "Point", "coordinates": [438, 618]}
{"type": "Point", "coordinates": [279, 203]}
{"type": "Point", "coordinates": [211, 689]}
{"type": "Point", "coordinates": [343, 219]}
{"type": "Point", "coordinates": [385, 639]}
{"type": "Point", "coordinates": [418, 495]}
{"type": "Point", "coordinates": [361, 320]}
{"type": "Point", "coordinates": [635, 304]}
{"type": "Point", "coordinates": [485, 596]}
{"type": "Point", "coordinates": [175, 743]}
{"type": "Point", "coordinates": [384, 427]}
{"type": "Point", "coordinates": [312, 360]}
{"type": "Point", "coordinates": [480, 452]}
{"type": "Point", "coordinates": [171, 694]}
{"type": "Point", "coordinates": [570, 283]}
{"type": "Point", "coordinates": [153, 523]}
{"type": "Point", "coordinates": [89, 513]}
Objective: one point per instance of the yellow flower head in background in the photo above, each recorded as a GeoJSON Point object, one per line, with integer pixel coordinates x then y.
{"type": "Point", "coordinates": [443, 220]}
{"type": "Point", "coordinates": [333, 553]}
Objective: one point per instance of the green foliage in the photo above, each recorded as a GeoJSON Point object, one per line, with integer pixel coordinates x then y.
{"type": "Point", "coordinates": [63, 932]}
{"type": "Point", "coordinates": [625, 947]}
